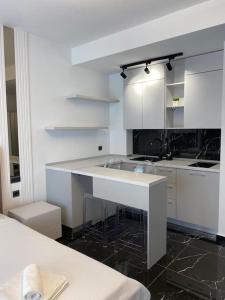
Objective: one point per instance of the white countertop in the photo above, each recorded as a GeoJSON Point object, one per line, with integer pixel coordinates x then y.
{"type": "Point", "coordinates": [185, 164]}
{"type": "Point", "coordinates": [73, 165]}
{"type": "Point", "coordinates": [91, 167]}
{"type": "Point", "coordinates": [141, 179]}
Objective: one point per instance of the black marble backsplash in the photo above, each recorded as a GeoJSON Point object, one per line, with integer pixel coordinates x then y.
{"type": "Point", "coordinates": [183, 143]}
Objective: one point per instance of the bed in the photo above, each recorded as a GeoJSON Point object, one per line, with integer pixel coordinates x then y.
{"type": "Point", "coordinates": [89, 279]}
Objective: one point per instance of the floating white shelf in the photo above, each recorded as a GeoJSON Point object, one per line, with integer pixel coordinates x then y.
{"type": "Point", "coordinates": [90, 98]}
{"type": "Point", "coordinates": [174, 107]}
{"type": "Point", "coordinates": [175, 84]}
{"type": "Point", "coordinates": [178, 127]}
{"type": "Point", "coordinates": [62, 127]}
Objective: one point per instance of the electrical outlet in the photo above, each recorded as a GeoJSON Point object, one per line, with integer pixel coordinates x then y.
{"type": "Point", "coordinates": [99, 148]}
{"type": "Point", "coordinates": [16, 193]}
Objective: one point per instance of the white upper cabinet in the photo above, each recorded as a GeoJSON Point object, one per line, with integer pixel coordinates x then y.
{"type": "Point", "coordinates": [203, 97]}
{"type": "Point", "coordinates": [190, 96]}
{"type": "Point", "coordinates": [138, 75]}
{"type": "Point", "coordinates": [203, 91]}
{"type": "Point", "coordinates": [204, 63]}
{"type": "Point", "coordinates": [133, 106]}
{"type": "Point", "coordinates": [144, 102]}
{"type": "Point", "coordinates": [153, 104]}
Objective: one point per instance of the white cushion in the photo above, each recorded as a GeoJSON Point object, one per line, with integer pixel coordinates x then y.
{"type": "Point", "coordinates": [40, 216]}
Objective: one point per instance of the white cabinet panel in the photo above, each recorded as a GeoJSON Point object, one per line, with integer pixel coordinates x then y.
{"type": "Point", "coordinates": [153, 104]}
{"type": "Point", "coordinates": [133, 106]}
{"type": "Point", "coordinates": [172, 208]}
{"type": "Point", "coordinates": [198, 198]}
{"type": "Point", "coordinates": [170, 173]}
{"type": "Point", "coordinates": [138, 75]}
{"type": "Point", "coordinates": [203, 97]}
{"type": "Point", "coordinates": [171, 189]}
{"type": "Point", "coordinates": [204, 63]}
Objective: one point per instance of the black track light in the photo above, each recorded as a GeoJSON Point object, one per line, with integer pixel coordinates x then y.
{"type": "Point", "coordinates": [123, 75]}
{"type": "Point", "coordinates": [169, 66]}
{"type": "Point", "coordinates": [148, 61]}
{"type": "Point", "coordinates": [146, 69]}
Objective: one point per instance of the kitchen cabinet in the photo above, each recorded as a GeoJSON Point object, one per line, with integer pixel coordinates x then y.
{"type": "Point", "coordinates": [198, 198]}
{"type": "Point", "coordinates": [204, 63]}
{"type": "Point", "coordinates": [153, 104]}
{"type": "Point", "coordinates": [171, 175]}
{"type": "Point", "coordinates": [203, 97]}
{"type": "Point", "coordinates": [133, 106]}
{"type": "Point", "coordinates": [144, 105]}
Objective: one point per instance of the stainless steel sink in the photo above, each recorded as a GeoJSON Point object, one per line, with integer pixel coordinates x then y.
{"type": "Point", "coordinates": [130, 167]}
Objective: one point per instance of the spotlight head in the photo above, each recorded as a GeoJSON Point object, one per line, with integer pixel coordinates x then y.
{"type": "Point", "coordinates": [146, 69]}
{"type": "Point", "coordinates": [123, 75]}
{"type": "Point", "coordinates": [169, 66]}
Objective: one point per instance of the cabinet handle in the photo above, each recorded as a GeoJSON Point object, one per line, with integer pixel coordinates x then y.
{"type": "Point", "coordinates": [197, 174]}
{"type": "Point", "coordinates": [170, 186]}
{"type": "Point", "coordinates": [164, 170]}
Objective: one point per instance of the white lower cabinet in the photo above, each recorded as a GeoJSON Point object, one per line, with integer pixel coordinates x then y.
{"type": "Point", "coordinates": [198, 198]}
{"type": "Point", "coordinates": [171, 175]}
{"type": "Point", "coordinates": [172, 208]}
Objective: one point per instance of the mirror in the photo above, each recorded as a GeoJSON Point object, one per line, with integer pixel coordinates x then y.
{"type": "Point", "coordinates": [10, 73]}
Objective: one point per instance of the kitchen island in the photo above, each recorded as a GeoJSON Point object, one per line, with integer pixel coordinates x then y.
{"type": "Point", "coordinates": [68, 182]}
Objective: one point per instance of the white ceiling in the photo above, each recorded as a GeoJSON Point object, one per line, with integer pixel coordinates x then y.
{"type": "Point", "coordinates": [74, 22]}
{"type": "Point", "coordinates": [203, 41]}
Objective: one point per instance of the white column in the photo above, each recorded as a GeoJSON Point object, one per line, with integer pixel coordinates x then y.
{"type": "Point", "coordinates": [4, 145]}
{"type": "Point", "coordinates": [221, 225]}
{"type": "Point", "coordinates": [24, 117]}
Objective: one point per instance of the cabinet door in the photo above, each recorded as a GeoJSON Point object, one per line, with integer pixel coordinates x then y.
{"type": "Point", "coordinates": [198, 198]}
{"type": "Point", "coordinates": [203, 97]}
{"type": "Point", "coordinates": [133, 106]}
{"type": "Point", "coordinates": [153, 104]}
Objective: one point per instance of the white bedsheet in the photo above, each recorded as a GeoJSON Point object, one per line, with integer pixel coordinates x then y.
{"type": "Point", "coordinates": [88, 279]}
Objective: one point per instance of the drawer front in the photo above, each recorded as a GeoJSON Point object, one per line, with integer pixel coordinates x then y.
{"type": "Point", "coordinates": [171, 191]}
{"type": "Point", "coordinates": [170, 173]}
{"type": "Point", "coordinates": [171, 208]}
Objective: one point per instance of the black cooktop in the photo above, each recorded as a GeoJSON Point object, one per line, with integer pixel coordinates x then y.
{"type": "Point", "coordinates": [147, 158]}
{"type": "Point", "coordinates": [203, 165]}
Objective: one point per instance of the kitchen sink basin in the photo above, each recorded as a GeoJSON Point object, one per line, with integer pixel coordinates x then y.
{"type": "Point", "coordinates": [147, 158]}
{"type": "Point", "coordinates": [132, 167]}
{"type": "Point", "coordinates": [203, 165]}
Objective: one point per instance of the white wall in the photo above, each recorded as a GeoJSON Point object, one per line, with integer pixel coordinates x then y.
{"type": "Point", "coordinates": [51, 79]}
{"type": "Point", "coordinates": [222, 164]}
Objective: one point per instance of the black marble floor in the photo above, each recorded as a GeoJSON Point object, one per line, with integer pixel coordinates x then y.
{"type": "Point", "coordinates": [193, 268]}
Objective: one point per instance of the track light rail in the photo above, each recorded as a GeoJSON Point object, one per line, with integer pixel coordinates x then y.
{"type": "Point", "coordinates": [149, 60]}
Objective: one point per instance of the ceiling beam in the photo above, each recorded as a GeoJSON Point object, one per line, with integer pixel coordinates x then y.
{"type": "Point", "coordinates": [202, 16]}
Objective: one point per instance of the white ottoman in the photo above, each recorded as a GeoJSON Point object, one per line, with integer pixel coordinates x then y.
{"type": "Point", "coordinates": [40, 216]}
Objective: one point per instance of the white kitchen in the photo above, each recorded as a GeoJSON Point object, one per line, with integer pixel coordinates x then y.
{"type": "Point", "coordinates": [113, 150]}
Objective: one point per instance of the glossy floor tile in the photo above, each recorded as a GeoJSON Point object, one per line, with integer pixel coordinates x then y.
{"type": "Point", "coordinates": [193, 268]}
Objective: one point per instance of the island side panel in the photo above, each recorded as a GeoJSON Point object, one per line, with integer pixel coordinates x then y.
{"type": "Point", "coordinates": [121, 192]}
{"type": "Point", "coordinates": [81, 185]}
{"type": "Point", "coordinates": [157, 222]}
{"type": "Point", "coordinates": [59, 192]}
{"type": "Point", "coordinates": [66, 190]}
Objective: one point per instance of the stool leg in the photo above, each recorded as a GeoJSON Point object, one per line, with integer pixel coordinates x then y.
{"type": "Point", "coordinates": [105, 216]}
{"type": "Point", "coordinates": [118, 214]}
{"type": "Point", "coordinates": [84, 215]}
{"type": "Point", "coordinates": [145, 230]}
